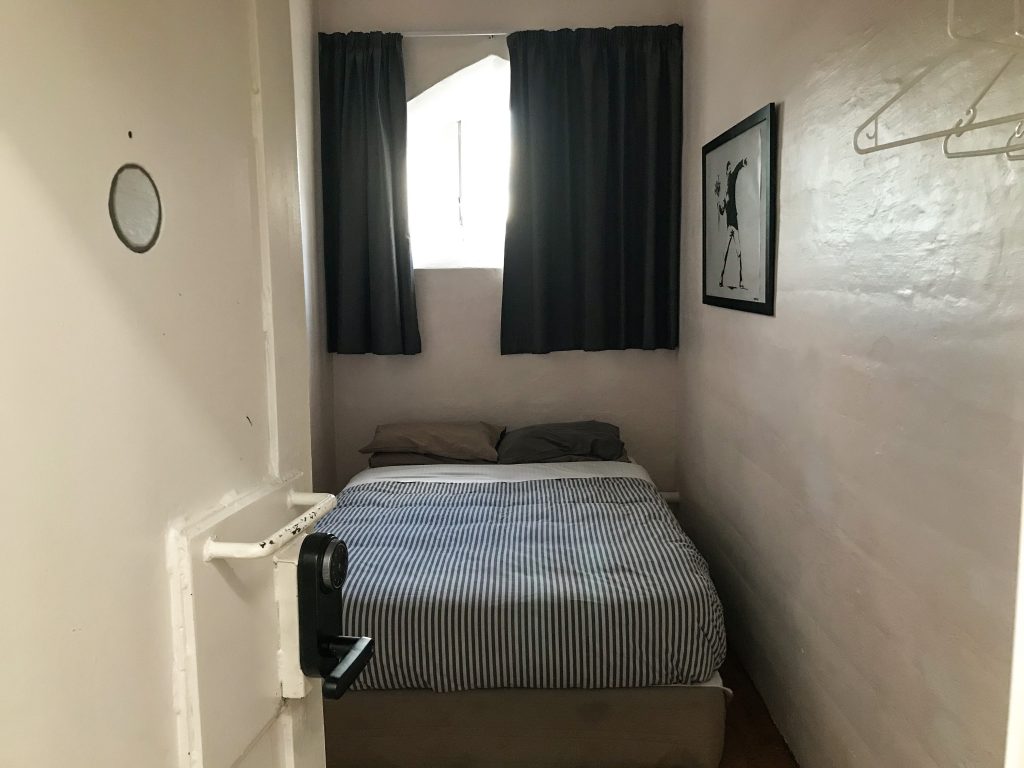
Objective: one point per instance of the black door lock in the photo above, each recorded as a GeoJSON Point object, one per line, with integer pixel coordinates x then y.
{"type": "Point", "coordinates": [323, 650]}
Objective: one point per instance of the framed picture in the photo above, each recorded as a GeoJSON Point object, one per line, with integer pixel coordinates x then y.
{"type": "Point", "coordinates": [739, 215]}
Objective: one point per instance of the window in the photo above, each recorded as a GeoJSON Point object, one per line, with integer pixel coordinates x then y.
{"type": "Point", "coordinates": [459, 146]}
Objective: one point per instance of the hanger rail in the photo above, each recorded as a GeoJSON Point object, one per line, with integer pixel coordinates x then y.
{"type": "Point", "coordinates": [1015, 39]}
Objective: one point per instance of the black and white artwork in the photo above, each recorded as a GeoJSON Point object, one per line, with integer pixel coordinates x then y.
{"type": "Point", "coordinates": [739, 216]}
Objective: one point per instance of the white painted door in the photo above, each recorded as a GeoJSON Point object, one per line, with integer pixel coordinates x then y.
{"type": "Point", "coordinates": [149, 401]}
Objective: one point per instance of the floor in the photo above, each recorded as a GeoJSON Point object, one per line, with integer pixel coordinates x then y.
{"type": "Point", "coordinates": [751, 738]}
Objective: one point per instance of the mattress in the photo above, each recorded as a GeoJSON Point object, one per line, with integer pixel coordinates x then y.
{"type": "Point", "coordinates": [528, 576]}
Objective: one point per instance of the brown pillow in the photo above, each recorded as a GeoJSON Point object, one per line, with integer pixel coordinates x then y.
{"type": "Point", "coordinates": [468, 440]}
{"type": "Point", "coordinates": [412, 459]}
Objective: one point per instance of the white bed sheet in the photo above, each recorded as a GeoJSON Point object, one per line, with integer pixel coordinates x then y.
{"type": "Point", "coordinates": [500, 473]}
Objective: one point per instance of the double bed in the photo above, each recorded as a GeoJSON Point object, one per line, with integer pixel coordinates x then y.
{"type": "Point", "coordinates": [533, 614]}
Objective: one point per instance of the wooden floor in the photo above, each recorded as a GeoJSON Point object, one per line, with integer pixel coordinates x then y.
{"type": "Point", "coordinates": [751, 738]}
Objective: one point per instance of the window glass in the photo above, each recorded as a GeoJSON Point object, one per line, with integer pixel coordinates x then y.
{"type": "Point", "coordinates": [458, 161]}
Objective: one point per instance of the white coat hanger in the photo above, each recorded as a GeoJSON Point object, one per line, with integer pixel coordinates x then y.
{"type": "Point", "coordinates": [968, 123]}
{"type": "Point", "coordinates": [869, 131]}
{"type": "Point", "coordinates": [866, 137]}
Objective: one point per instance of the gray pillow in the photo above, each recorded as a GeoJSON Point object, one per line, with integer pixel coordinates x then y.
{"type": "Point", "coordinates": [573, 441]}
{"type": "Point", "coordinates": [467, 440]}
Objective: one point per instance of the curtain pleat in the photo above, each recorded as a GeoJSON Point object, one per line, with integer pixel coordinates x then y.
{"type": "Point", "coordinates": [592, 240]}
{"type": "Point", "coordinates": [371, 302]}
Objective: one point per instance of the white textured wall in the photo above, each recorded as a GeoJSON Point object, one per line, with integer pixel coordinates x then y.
{"type": "Point", "coordinates": [460, 373]}
{"type": "Point", "coordinates": [491, 15]}
{"type": "Point", "coordinates": [852, 467]}
{"type": "Point", "coordinates": [305, 56]}
{"type": "Point", "coordinates": [429, 60]}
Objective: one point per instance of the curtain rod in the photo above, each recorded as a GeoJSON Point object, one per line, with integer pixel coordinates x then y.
{"type": "Point", "coordinates": [455, 34]}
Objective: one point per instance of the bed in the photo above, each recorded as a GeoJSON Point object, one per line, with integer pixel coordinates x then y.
{"type": "Point", "coordinates": [538, 614]}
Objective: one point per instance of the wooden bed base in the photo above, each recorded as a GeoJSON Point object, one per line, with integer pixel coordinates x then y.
{"type": "Point", "coordinates": [667, 727]}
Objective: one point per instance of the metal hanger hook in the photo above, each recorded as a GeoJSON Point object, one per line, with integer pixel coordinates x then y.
{"type": "Point", "coordinates": [958, 128]}
{"type": "Point", "coordinates": [1017, 135]}
{"type": "Point", "coordinates": [872, 132]}
{"type": "Point", "coordinates": [967, 119]}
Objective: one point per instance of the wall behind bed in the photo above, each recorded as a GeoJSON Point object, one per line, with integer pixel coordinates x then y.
{"type": "Point", "coordinates": [851, 467]}
{"type": "Point", "coordinates": [460, 374]}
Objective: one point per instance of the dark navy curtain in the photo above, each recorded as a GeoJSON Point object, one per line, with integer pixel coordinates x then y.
{"type": "Point", "coordinates": [371, 304]}
{"type": "Point", "coordinates": [592, 241]}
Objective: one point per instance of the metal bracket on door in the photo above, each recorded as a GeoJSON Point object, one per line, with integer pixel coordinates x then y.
{"type": "Point", "coordinates": [319, 505]}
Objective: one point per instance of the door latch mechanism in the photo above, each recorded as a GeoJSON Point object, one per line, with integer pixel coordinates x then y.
{"type": "Point", "coordinates": [323, 651]}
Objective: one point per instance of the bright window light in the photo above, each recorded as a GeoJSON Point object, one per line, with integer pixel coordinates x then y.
{"type": "Point", "coordinates": [458, 159]}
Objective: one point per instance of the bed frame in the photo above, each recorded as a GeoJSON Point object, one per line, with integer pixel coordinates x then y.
{"type": "Point", "coordinates": [667, 727]}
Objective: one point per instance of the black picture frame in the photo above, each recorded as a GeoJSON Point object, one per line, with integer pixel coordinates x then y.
{"type": "Point", "coordinates": [767, 213]}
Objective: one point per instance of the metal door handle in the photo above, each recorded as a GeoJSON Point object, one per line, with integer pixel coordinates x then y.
{"type": "Point", "coordinates": [319, 505]}
{"type": "Point", "coordinates": [353, 654]}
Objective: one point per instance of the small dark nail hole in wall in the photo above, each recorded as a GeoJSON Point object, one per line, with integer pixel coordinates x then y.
{"type": "Point", "coordinates": [129, 134]}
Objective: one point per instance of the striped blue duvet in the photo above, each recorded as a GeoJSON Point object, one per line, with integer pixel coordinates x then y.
{"type": "Point", "coordinates": [584, 582]}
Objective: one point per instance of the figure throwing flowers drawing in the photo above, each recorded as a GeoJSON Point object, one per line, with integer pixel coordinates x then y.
{"type": "Point", "coordinates": [727, 208]}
